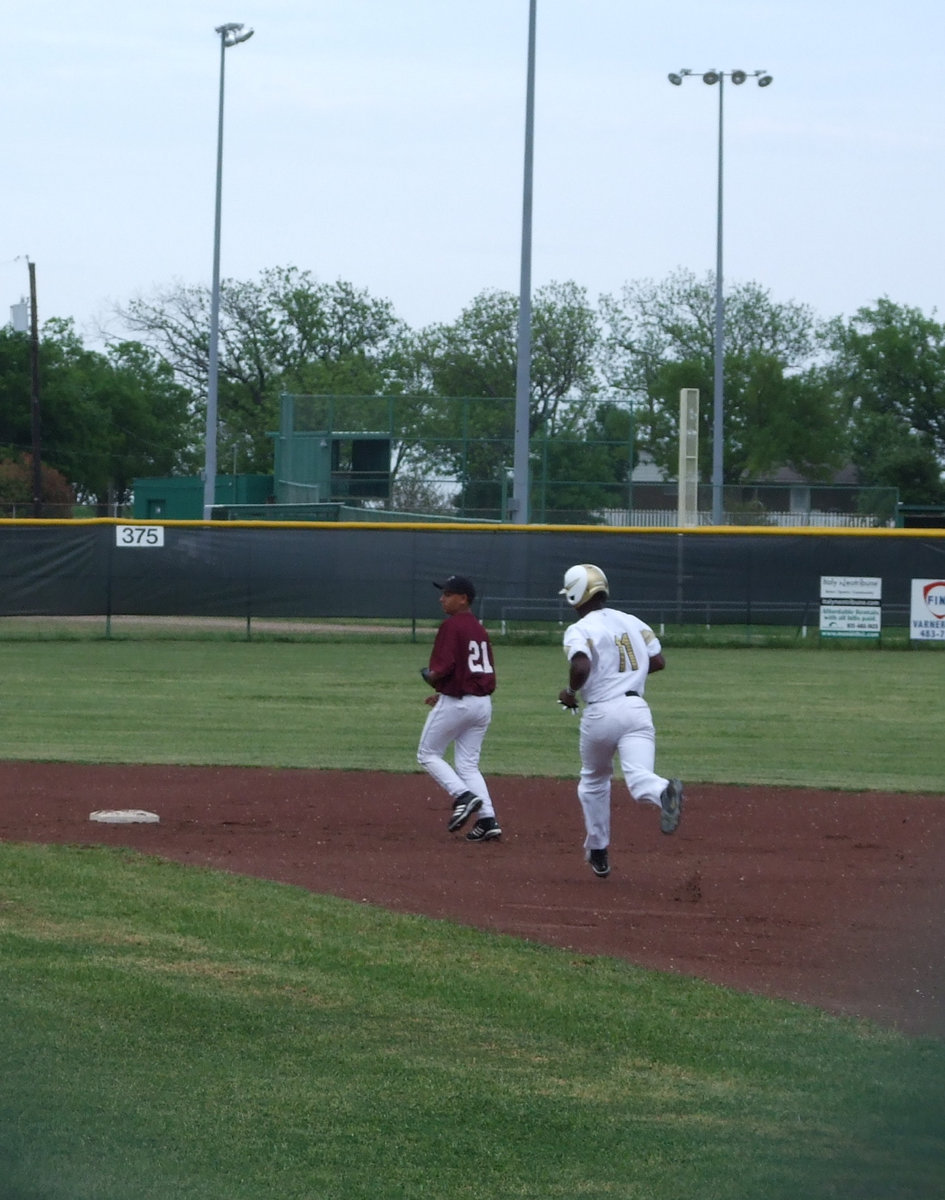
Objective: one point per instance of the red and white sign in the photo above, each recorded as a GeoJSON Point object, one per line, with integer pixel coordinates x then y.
{"type": "Point", "coordinates": [927, 610]}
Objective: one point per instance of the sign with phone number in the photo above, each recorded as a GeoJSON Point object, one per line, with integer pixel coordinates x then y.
{"type": "Point", "coordinates": [927, 610]}
{"type": "Point", "coordinates": [139, 536]}
{"type": "Point", "coordinates": [850, 606]}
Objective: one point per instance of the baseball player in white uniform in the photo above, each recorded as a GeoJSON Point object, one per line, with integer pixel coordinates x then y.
{"type": "Point", "coordinates": [610, 654]}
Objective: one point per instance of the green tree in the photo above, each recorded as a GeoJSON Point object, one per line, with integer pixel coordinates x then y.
{"type": "Point", "coordinates": [284, 332]}
{"type": "Point", "coordinates": [16, 489]}
{"type": "Point", "coordinates": [661, 337]}
{"type": "Point", "coordinates": [15, 393]}
{"type": "Point", "coordinates": [888, 370]}
{"type": "Point", "coordinates": [476, 357]}
{"type": "Point", "coordinates": [589, 470]}
{"type": "Point", "coordinates": [477, 354]}
{"type": "Point", "coordinates": [105, 417]}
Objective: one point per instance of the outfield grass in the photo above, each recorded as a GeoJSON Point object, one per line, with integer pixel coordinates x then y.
{"type": "Point", "coordinates": [862, 719]}
{"type": "Point", "coordinates": [168, 1033]}
{"type": "Point", "coordinates": [172, 1033]}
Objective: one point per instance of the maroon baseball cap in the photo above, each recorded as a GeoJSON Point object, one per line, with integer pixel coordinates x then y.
{"type": "Point", "coordinates": [459, 585]}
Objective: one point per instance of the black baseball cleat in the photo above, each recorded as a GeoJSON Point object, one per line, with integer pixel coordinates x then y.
{"type": "Point", "coordinates": [671, 802]}
{"type": "Point", "coordinates": [463, 808]}
{"type": "Point", "coordinates": [485, 829]}
{"type": "Point", "coordinates": [599, 863]}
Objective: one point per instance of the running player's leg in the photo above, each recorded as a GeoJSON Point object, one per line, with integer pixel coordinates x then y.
{"type": "Point", "coordinates": [636, 749]}
{"type": "Point", "coordinates": [597, 766]}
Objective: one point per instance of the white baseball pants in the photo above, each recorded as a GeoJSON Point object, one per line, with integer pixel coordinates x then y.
{"type": "Point", "coordinates": [621, 728]}
{"type": "Point", "coordinates": [462, 721]}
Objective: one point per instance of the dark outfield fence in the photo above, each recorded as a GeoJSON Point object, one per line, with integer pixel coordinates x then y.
{"type": "Point", "coordinates": [227, 569]}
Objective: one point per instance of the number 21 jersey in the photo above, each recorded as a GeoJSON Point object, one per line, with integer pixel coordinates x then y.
{"type": "Point", "coordinates": [462, 653]}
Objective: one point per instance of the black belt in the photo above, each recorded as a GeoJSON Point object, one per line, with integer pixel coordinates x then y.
{"type": "Point", "coordinates": [637, 694]}
{"type": "Point", "coordinates": [631, 693]}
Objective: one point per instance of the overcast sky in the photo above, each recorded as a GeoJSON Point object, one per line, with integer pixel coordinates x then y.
{"type": "Point", "coordinates": [381, 142]}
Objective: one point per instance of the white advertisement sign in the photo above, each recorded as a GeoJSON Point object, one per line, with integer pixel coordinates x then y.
{"type": "Point", "coordinates": [851, 587]}
{"type": "Point", "coordinates": [927, 610]}
{"type": "Point", "coordinates": [850, 605]}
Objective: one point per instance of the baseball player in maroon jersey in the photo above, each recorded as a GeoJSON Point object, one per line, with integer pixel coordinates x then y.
{"type": "Point", "coordinates": [462, 674]}
{"type": "Point", "coordinates": [610, 654]}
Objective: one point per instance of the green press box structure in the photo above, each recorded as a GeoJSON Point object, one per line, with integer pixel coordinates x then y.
{"type": "Point", "coordinates": [180, 498]}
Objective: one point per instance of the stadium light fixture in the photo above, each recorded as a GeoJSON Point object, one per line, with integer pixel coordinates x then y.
{"type": "Point", "coordinates": [712, 77]}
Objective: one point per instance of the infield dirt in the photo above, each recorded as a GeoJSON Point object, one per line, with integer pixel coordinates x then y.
{"type": "Point", "coordinates": [829, 899]}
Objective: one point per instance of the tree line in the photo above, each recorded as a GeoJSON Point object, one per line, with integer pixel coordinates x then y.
{"type": "Point", "coordinates": [816, 395]}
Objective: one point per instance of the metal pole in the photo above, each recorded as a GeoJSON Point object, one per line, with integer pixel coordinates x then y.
{"type": "Point", "coordinates": [718, 387]}
{"type": "Point", "coordinates": [35, 411]}
{"type": "Point", "coordinates": [210, 461]}
{"type": "Point", "coordinates": [718, 399]}
{"type": "Point", "coordinates": [519, 506]}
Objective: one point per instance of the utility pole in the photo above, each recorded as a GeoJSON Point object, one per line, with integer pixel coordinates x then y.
{"type": "Point", "coordinates": [34, 397]}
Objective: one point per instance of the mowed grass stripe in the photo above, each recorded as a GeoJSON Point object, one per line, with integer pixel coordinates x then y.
{"type": "Point", "coordinates": [867, 719]}
{"type": "Point", "coordinates": [178, 1032]}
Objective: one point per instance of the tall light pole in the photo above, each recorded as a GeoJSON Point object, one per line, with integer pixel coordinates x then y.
{"type": "Point", "coordinates": [520, 505]}
{"type": "Point", "coordinates": [718, 385]}
{"type": "Point", "coordinates": [230, 35]}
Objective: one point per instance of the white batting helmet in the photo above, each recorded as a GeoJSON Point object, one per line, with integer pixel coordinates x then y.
{"type": "Point", "coordinates": [582, 582]}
